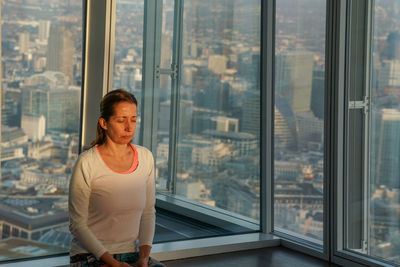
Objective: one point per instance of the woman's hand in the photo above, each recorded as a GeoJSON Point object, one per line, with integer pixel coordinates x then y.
{"type": "Point", "coordinates": [144, 254]}
{"type": "Point", "coordinates": [122, 264]}
{"type": "Point", "coordinates": [142, 262]}
{"type": "Point", "coordinates": [111, 262]}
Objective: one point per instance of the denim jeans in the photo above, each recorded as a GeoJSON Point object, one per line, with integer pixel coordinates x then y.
{"type": "Point", "coordinates": [89, 260]}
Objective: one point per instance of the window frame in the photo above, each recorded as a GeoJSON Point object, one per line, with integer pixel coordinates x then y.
{"type": "Point", "coordinates": [296, 241]}
{"type": "Point", "coordinates": [98, 61]}
{"type": "Point", "coordinates": [354, 96]}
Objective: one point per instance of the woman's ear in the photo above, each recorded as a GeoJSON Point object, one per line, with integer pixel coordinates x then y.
{"type": "Point", "coordinates": [103, 123]}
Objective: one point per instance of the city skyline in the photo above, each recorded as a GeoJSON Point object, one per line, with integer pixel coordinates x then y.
{"type": "Point", "coordinates": [218, 154]}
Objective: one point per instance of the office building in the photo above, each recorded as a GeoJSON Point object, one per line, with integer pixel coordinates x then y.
{"type": "Point", "coordinates": [61, 51]}
{"type": "Point", "coordinates": [34, 127]}
{"type": "Point", "coordinates": [294, 78]}
{"type": "Point", "coordinates": [23, 42]}
{"type": "Point", "coordinates": [44, 30]}
{"type": "Point", "coordinates": [385, 132]}
{"type": "Point", "coordinates": [250, 122]}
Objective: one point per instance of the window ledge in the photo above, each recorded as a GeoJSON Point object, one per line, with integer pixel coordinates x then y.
{"type": "Point", "coordinates": [214, 245]}
{"type": "Point", "coordinates": [181, 249]}
{"type": "Point", "coordinates": [205, 213]}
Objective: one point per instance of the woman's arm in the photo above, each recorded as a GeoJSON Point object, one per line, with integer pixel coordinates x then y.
{"type": "Point", "coordinates": [144, 255]}
{"type": "Point", "coordinates": [78, 204]}
{"type": "Point", "coordinates": [147, 221]}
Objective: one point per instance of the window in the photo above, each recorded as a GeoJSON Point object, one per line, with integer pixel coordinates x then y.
{"type": "Point", "coordinates": [218, 110]}
{"type": "Point", "coordinates": [299, 118]}
{"type": "Point", "coordinates": [40, 115]}
{"type": "Point", "coordinates": [373, 186]}
{"type": "Point", "coordinates": [128, 51]}
{"type": "Point", "coordinates": [384, 131]}
{"type": "Point", "coordinates": [201, 110]}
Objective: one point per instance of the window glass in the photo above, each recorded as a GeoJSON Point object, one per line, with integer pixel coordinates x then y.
{"type": "Point", "coordinates": [128, 51]}
{"type": "Point", "coordinates": [164, 97]}
{"type": "Point", "coordinates": [41, 63]}
{"type": "Point", "coordinates": [218, 124]}
{"type": "Point", "coordinates": [299, 118]}
{"type": "Point", "coordinates": [218, 155]}
{"type": "Point", "coordinates": [384, 185]}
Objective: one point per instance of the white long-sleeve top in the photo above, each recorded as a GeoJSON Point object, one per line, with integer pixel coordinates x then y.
{"type": "Point", "coordinates": [108, 210]}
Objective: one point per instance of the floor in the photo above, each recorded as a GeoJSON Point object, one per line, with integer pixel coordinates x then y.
{"type": "Point", "coordinates": [271, 257]}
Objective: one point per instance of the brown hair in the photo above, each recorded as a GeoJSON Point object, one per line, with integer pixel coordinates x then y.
{"type": "Point", "coordinates": [107, 110]}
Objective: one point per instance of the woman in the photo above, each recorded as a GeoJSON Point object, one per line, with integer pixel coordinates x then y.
{"type": "Point", "coordinates": [112, 192]}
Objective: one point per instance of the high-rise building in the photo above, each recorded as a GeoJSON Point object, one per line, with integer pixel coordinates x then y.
{"type": "Point", "coordinates": [61, 51]}
{"type": "Point", "coordinates": [317, 92]}
{"type": "Point", "coordinates": [64, 109]}
{"type": "Point", "coordinates": [226, 124]}
{"type": "Point", "coordinates": [23, 42]}
{"type": "Point", "coordinates": [310, 130]}
{"type": "Point", "coordinates": [385, 160]}
{"type": "Point", "coordinates": [202, 120]}
{"type": "Point", "coordinates": [293, 78]}
{"type": "Point", "coordinates": [251, 113]}
{"type": "Point", "coordinates": [11, 107]}
{"type": "Point", "coordinates": [285, 131]}
{"type": "Point", "coordinates": [215, 95]}
{"type": "Point", "coordinates": [34, 101]}
{"type": "Point", "coordinates": [185, 117]}
{"type": "Point", "coordinates": [34, 127]}
{"type": "Point", "coordinates": [389, 78]}
{"type": "Point", "coordinates": [392, 46]}
{"type": "Point", "coordinates": [44, 30]}
{"type": "Point", "coordinates": [60, 107]}
{"type": "Point", "coordinates": [217, 63]}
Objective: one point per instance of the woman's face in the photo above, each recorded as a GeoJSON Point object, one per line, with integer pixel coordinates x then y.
{"type": "Point", "coordinates": [121, 126]}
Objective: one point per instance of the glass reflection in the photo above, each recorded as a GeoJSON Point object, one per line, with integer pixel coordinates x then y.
{"type": "Point", "coordinates": [219, 109]}
{"type": "Point", "coordinates": [299, 117]}
{"type": "Point", "coordinates": [385, 139]}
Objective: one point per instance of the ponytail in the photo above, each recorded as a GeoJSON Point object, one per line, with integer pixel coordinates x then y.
{"type": "Point", "coordinates": [100, 136]}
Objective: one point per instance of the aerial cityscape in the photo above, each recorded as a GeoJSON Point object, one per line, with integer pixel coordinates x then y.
{"type": "Point", "coordinates": [219, 127]}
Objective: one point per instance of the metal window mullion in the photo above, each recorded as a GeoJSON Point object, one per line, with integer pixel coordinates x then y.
{"type": "Point", "coordinates": [150, 81]}
{"type": "Point", "coordinates": [112, 13]}
{"type": "Point", "coordinates": [364, 105]}
{"type": "Point", "coordinates": [157, 59]}
{"type": "Point", "coordinates": [1, 83]}
{"type": "Point", "coordinates": [334, 125]}
{"type": "Point", "coordinates": [354, 229]}
{"type": "Point", "coordinates": [334, 107]}
{"type": "Point", "coordinates": [96, 65]}
{"type": "Point", "coordinates": [367, 131]}
{"type": "Point", "coordinates": [175, 95]}
{"type": "Point", "coordinates": [268, 14]}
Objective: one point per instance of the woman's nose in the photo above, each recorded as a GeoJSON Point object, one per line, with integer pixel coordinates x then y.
{"type": "Point", "coordinates": [129, 126]}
